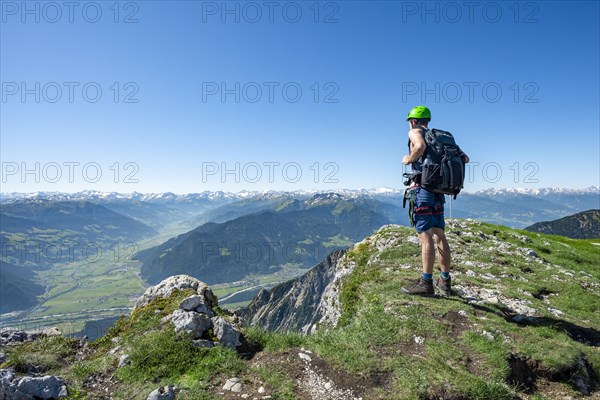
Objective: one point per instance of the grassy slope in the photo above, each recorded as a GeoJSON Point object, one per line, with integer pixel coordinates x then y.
{"type": "Point", "coordinates": [465, 350]}
{"type": "Point", "coordinates": [469, 355]}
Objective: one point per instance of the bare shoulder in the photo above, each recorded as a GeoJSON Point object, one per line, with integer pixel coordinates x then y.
{"type": "Point", "coordinates": [415, 135]}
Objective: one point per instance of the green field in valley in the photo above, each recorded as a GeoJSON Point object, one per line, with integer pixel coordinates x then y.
{"type": "Point", "coordinates": [108, 286]}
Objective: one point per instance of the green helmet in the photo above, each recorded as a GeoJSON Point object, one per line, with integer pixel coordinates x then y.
{"type": "Point", "coordinates": [419, 112]}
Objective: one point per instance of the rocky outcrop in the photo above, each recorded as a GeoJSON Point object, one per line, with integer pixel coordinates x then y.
{"type": "Point", "coordinates": [228, 335]}
{"type": "Point", "coordinates": [162, 393]}
{"type": "Point", "coordinates": [12, 336]}
{"type": "Point", "coordinates": [192, 323]}
{"type": "Point", "coordinates": [299, 304]}
{"type": "Point", "coordinates": [178, 282]}
{"type": "Point", "coordinates": [30, 388]}
{"type": "Point", "coordinates": [13, 387]}
{"type": "Point", "coordinates": [195, 316]}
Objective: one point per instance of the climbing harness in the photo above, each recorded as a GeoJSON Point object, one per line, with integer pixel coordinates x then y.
{"type": "Point", "coordinates": [410, 196]}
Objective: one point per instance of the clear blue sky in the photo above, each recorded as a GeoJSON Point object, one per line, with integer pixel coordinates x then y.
{"type": "Point", "coordinates": [368, 62]}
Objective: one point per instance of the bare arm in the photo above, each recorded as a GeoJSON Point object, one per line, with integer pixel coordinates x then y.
{"type": "Point", "coordinates": [417, 146]}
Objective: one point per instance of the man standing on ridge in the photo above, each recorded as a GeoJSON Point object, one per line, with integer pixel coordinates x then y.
{"type": "Point", "coordinates": [428, 212]}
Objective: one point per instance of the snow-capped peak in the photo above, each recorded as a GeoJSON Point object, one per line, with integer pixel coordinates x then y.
{"type": "Point", "coordinates": [537, 191]}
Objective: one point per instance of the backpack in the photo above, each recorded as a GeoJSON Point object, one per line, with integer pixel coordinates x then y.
{"type": "Point", "coordinates": [443, 166]}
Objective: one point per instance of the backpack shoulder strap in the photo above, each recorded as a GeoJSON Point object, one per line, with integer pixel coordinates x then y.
{"type": "Point", "coordinates": [424, 131]}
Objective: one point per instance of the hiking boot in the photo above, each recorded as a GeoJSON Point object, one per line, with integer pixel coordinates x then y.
{"type": "Point", "coordinates": [444, 286]}
{"type": "Point", "coordinates": [423, 287]}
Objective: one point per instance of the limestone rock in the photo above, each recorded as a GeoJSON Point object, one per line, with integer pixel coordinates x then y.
{"type": "Point", "coordinates": [300, 304]}
{"type": "Point", "coordinates": [177, 282]}
{"type": "Point", "coordinates": [7, 385]}
{"type": "Point", "coordinates": [28, 387]}
{"type": "Point", "coordinates": [190, 322]}
{"type": "Point", "coordinates": [162, 393]}
{"type": "Point", "coordinates": [203, 343]}
{"type": "Point", "coordinates": [11, 335]}
{"type": "Point", "coordinates": [233, 385]}
{"type": "Point", "coordinates": [190, 303]}
{"type": "Point", "coordinates": [227, 334]}
{"type": "Point", "coordinates": [124, 360]}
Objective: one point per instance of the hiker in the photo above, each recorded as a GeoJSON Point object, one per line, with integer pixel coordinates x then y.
{"type": "Point", "coordinates": [427, 205]}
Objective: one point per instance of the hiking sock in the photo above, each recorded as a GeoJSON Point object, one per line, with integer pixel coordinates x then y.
{"type": "Point", "coordinates": [427, 276]}
{"type": "Point", "coordinates": [445, 275]}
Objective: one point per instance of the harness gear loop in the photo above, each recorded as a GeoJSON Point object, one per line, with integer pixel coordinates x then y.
{"type": "Point", "coordinates": [410, 196]}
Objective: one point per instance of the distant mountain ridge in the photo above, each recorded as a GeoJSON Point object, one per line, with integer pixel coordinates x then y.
{"type": "Point", "coordinates": [583, 225]}
{"type": "Point", "coordinates": [514, 207]}
{"type": "Point", "coordinates": [244, 194]}
{"type": "Point", "coordinates": [37, 234]}
{"type": "Point", "coordinates": [99, 195]}
{"type": "Point", "coordinates": [298, 232]}
{"type": "Point", "coordinates": [44, 226]}
{"type": "Point", "coordinates": [539, 191]}
{"type": "Point", "coordinates": [18, 291]}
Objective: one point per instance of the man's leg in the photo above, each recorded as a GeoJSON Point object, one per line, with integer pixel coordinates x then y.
{"type": "Point", "coordinates": [424, 286]}
{"type": "Point", "coordinates": [444, 282]}
{"type": "Point", "coordinates": [427, 251]}
{"type": "Point", "coordinates": [424, 201]}
{"type": "Point", "coordinates": [443, 249]}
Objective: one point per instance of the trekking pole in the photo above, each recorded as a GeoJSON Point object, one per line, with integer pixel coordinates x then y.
{"type": "Point", "coordinates": [451, 220]}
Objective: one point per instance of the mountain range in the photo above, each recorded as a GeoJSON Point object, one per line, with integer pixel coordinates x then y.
{"type": "Point", "coordinates": [44, 232]}
{"type": "Point", "coordinates": [513, 207]}
{"type": "Point", "coordinates": [583, 225]}
{"type": "Point", "coordinates": [169, 197]}
{"type": "Point", "coordinates": [39, 234]}
{"type": "Point", "coordinates": [296, 232]}
{"type": "Point", "coordinates": [221, 236]}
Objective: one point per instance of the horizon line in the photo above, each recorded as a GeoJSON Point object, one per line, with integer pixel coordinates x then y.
{"type": "Point", "coordinates": [386, 188]}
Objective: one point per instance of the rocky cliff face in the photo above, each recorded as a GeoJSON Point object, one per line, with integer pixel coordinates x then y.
{"type": "Point", "coordinates": [312, 301]}
{"type": "Point", "coordinates": [301, 304]}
